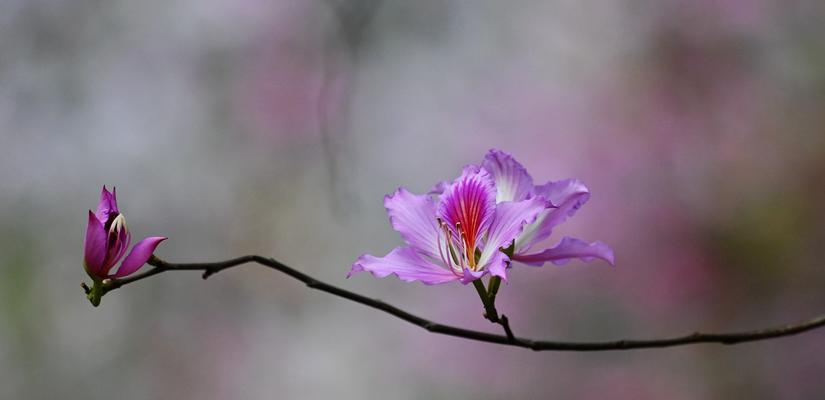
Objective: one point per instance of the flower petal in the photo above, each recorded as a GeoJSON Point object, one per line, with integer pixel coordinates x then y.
{"type": "Point", "coordinates": [439, 188]}
{"type": "Point", "coordinates": [94, 247]}
{"type": "Point", "coordinates": [513, 183]}
{"type": "Point", "coordinates": [559, 192]}
{"type": "Point", "coordinates": [107, 205]}
{"type": "Point", "coordinates": [469, 202]}
{"type": "Point", "coordinates": [413, 216]}
{"type": "Point", "coordinates": [139, 255]}
{"type": "Point", "coordinates": [509, 221]}
{"type": "Point", "coordinates": [118, 242]}
{"type": "Point", "coordinates": [469, 275]}
{"type": "Point", "coordinates": [497, 266]}
{"type": "Point", "coordinates": [407, 264]}
{"type": "Point", "coordinates": [568, 249]}
{"type": "Point", "coordinates": [567, 196]}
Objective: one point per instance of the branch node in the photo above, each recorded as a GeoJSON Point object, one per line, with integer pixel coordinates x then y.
{"type": "Point", "coordinates": [506, 324]}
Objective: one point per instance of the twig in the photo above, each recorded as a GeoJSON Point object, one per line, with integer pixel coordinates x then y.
{"type": "Point", "coordinates": [210, 269]}
{"type": "Point", "coordinates": [488, 298]}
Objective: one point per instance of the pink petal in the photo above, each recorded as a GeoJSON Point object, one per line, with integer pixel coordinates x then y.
{"type": "Point", "coordinates": [407, 264]}
{"type": "Point", "coordinates": [469, 275]}
{"type": "Point", "coordinates": [439, 188]}
{"type": "Point", "coordinates": [413, 216]}
{"type": "Point", "coordinates": [568, 249]}
{"type": "Point", "coordinates": [139, 255]}
{"type": "Point", "coordinates": [470, 202]}
{"type": "Point", "coordinates": [509, 221]}
{"type": "Point", "coordinates": [513, 183]}
{"type": "Point", "coordinates": [497, 266]}
{"type": "Point", "coordinates": [94, 247]}
{"type": "Point", "coordinates": [117, 244]}
{"type": "Point", "coordinates": [558, 192]}
{"type": "Point", "coordinates": [568, 196]}
{"type": "Point", "coordinates": [107, 205]}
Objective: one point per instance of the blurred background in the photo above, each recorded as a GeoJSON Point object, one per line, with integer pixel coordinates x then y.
{"type": "Point", "coordinates": [276, 127]}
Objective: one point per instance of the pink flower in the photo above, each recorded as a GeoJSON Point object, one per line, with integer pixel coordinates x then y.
{"type": "Point", "coordinates": [477, 224]}
{"type": "Point", "coordinates": [107, 239]}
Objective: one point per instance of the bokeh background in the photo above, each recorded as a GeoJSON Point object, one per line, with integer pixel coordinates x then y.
{"type": "Point", "coordinates": [276, 127]}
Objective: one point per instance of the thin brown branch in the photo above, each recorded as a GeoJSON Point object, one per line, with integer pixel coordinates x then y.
{"type": "Point", "coordinates": [210, 269]}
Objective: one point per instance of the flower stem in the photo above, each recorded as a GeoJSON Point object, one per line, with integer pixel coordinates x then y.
{"type": "Point", "coordinates": [493, 284]}
{"type": "Point", "coordinates": [96, 292]}
{"type": "Point", "coordinates": [490, 312]}
{"type": "Point", "coordinates": [489, 307]}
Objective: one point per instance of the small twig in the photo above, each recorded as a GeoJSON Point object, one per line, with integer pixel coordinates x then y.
{"type": "Point", "coordinates": [506, 325]}
{"type": "Point", "coordinates": [488, 298]}
{"type": "Point", "coordinates": [209, 269]}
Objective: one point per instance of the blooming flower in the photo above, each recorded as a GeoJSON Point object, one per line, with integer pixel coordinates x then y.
{"type": "Point", "coordinates": [107, 239]}
{"type": "Point", "coordinates": [460, 230]}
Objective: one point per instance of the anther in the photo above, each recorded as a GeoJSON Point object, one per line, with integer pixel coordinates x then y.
{"type": "Point", "coordinates": [118, 224]}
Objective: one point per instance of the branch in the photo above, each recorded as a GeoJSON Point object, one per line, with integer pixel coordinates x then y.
{"type": "Point", "coordinates": [210, 269]}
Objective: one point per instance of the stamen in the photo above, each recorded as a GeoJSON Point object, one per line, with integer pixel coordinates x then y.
{"type": "Point", "coordinates": [454, 257]}
{"type": "Point", "coordinates": [440, 248]}
{"type": "Point", "coordinates": [465, 247]}
{"type": "Point", "coordinates": [462, 250]}
{"type": "Point", "coordinates": [116, 229]}
{"type": "Point", "coordinates": [448, 236]}
{"type": "Point", "coordinates": [118, 224]}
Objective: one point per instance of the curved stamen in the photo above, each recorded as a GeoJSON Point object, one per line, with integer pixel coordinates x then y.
{"type": "Point", "coordinates": [467, 249]}
{"type": "Point", "coordinates": [448, 240]}
{"type": "Point", "coordinates": [440, 245]}
{"type": "Point", "coordinates": [462, 246]}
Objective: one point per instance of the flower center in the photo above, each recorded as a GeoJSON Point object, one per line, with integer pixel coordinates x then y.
{"type": "Point", "coordinates": [118, 224]}
{"type": "Point", "coordinates": [465, 211]}
{"type": "Point", "coordinates": [457, 252]}
{"type": "Point", "coordinates": [117, 229]}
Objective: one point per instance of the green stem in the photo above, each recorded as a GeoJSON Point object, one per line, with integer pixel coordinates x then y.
{"type": "Point", "coordinates": [489, 308]}
{"type": "Point", "coordinates": [494, 284]}
{"type": "Point", "coordinates": [482, 291]}
{"type": "Point", "coordinates": [96, 292]}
